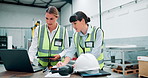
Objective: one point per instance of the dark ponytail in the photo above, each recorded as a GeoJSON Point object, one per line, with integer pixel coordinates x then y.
{"type": "Point", "coordinates": [78, 16]}
{"type": "Point", "coordinates": [88, 19]}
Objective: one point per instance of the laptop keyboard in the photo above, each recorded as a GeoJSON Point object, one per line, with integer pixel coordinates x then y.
{"type": "Point", "coordinates": [37, 68]}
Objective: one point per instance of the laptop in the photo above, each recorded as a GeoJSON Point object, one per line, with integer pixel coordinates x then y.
{"type": "Point", "coordinates": [17, 60]}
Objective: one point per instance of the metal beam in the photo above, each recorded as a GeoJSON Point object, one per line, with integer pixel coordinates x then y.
{"type": "Point", "coordinates": [63, 5]}
{"type": "Point", "coordinates": [67, 1]}
{"type": "Point", "coordinates": [100, 14]}
{"type": "Point", "coordinates": [15, 27]}
{"type": "Point", "coordinates": [33, 2]}
{"type": "Point", "coordinates": [48, 3]}
{"type": "Point", "coordinates": [1, 0]}
{"type": "Point", "coordinates": [6, 2]}
{"type": "Point", "coordinates": [18, 1]}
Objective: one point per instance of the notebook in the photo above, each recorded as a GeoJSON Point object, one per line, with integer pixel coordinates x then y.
{"type": "Point", "coordinates": [17, 60]}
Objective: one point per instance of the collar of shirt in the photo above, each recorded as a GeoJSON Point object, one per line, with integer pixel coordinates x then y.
{"type": "Point", "coordinates": [53, 30]}
{"type": "Point", "coordinates": [51, 34]}
{"type": "Point", "coordinates": [88, 31]}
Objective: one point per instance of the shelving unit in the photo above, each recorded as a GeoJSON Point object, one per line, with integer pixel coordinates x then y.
{"type": "Point", "coordinates": [3, 43]}
{"type": "Point", "coordinates": [123, 50]}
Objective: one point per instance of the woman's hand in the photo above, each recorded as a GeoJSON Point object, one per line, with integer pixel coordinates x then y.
{"type": "Point", "coordinates": [56, 57]}
{"type": "Point", "coordinates": [60, 64]}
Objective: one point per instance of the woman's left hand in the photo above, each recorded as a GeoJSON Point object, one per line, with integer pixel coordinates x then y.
{"type": "Point", "coordinates": [60, 64]}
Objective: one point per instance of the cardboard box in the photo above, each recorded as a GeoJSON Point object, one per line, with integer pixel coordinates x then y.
{"type": "Point", "coordinates": [143, 65]}
{"type": "Point", "coordinates": [142, 58]}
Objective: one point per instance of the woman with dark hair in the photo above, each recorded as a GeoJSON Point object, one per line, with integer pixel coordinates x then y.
{"type": "Point", "coordinates": [86, 39]}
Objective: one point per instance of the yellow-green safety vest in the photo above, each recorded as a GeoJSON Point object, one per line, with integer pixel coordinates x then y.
{"type": "Point", "coordinates": [45, 48]}
{"type": "Point", "coordinates": [90, 38]}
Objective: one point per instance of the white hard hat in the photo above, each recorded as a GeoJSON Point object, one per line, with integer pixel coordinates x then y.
{"type": "Point", "coordinates": [86, 62]}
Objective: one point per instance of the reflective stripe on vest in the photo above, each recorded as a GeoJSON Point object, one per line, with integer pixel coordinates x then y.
{"type": "Point", "coordinates": [91, 37]}
{"type": "Point", "coordinates": [45, 48]}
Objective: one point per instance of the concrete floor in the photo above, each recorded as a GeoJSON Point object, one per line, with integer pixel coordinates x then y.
{"type": "Point", "coordinates": [117, 75]}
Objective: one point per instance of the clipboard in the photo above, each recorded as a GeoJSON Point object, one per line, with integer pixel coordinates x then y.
{"type": "Point", "coordinates": [101, 73]}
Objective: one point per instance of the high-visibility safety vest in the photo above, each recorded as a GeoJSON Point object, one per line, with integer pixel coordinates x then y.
{"type": "Point", "coordinates": [45, 48]}
{"type": "Point", "coordinates": [91, 38]}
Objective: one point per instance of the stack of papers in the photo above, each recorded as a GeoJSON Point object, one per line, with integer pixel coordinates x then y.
{"type": "Point", "coordinates": [55, 75]}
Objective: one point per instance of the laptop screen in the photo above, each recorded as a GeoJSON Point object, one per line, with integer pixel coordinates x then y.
{"type": "Point", "coordinates": [16, 60]}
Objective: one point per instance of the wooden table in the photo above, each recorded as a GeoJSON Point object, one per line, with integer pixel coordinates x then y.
{"type": "Point", "coordinates": [40, 74]}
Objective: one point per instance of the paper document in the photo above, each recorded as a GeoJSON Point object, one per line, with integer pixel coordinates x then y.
{"type": "Point", "coordinates": [55, 75]}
